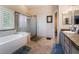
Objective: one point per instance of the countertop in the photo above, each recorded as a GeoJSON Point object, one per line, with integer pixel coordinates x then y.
{"type": "Point", "coordinates": [74, 37]}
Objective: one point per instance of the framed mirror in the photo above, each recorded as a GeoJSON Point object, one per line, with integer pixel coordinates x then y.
{"type": "Point", "coordinates": [49, 19]}
{"type": "Point", "coordinates": [67, 18]}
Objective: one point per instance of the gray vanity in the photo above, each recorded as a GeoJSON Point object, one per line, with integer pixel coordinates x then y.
{"type": "Point", "coordinates": [70, 42]}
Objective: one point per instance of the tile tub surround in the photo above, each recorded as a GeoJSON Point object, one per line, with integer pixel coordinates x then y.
{"type": "Point", "coordinates": [8, 44]}
{"type": "Point", "coordinates": [43, 46]}
{"type": "Point", "coordinates": [7, 32]}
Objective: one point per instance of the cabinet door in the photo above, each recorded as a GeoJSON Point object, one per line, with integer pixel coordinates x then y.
{"type": "Point", "coordinates": [74, 50]}
{"type": "Point", "coordinates": [67, 41]}
{"type": "Point", "coordinates": [62, 39]}
{"type": "Point", "coordinates": [66, 48]}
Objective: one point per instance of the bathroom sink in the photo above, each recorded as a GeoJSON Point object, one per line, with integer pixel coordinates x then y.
{"type": "Point", "coordinates": [70, 32]}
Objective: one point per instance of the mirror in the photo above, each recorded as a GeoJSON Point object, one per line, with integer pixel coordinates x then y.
{"type": "Point", "coordinates": [76, 17]}
{"type": "Point", "coordinates": [67, 18]}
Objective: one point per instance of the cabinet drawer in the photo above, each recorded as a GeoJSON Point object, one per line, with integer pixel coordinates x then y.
{"type": "Point", "coordinates": [66, 40]}
{"type": "Point", "coordinates": [66, 51]}
{"type": "Point", "coordinates": [67, 48]}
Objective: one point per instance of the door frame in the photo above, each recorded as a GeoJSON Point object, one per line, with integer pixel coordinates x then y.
{"type": "Point", "coordinates": [56, 37]}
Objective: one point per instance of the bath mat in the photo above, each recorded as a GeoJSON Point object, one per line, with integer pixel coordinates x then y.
{"type": "Point", "coordinates": [57, 49]}
{"type": "Point", "coordinates": [23, 50]}
{"type": "Point", "coordinates": [35, 39]}
{"type": "Point", "coordinates": [48, 38]}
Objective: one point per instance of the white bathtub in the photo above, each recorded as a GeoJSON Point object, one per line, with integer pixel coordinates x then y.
{"type": "Point", "coordinates": [11, 43]}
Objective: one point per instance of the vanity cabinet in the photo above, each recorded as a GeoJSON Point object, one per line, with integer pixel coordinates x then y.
{"type": "Point", "coordinates": [67, 43]}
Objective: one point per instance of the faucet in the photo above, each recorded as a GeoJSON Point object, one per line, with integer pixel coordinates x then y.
{"type": "Point", "coordinates": [73, 29]}
{"type": "Point", "coordinates": [77, 30]}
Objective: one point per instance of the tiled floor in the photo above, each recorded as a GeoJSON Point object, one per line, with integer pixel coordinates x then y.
{"type": "Point", "coordinates": [43, 46]}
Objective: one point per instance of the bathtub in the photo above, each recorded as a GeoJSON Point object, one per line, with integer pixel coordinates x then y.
{"type": "Point", "coordinates": [11, 43]}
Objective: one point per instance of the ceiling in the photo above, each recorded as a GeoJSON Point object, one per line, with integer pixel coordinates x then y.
{"type": "Point", "coordinates": [39, 6]}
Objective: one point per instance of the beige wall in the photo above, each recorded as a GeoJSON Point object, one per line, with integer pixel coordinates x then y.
{"type": "Point", "coordinates": [65, 9]}
{"type": "Point", "coordinates": [43, 28]}
{"type": "Point", "coordinates": [18, 8]}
